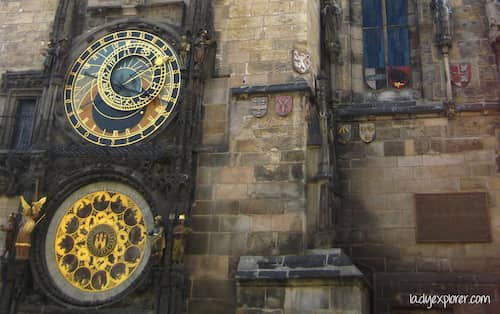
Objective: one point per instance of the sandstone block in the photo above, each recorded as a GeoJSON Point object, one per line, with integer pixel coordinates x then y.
{"type": "Point", "coordinates": [197, 243]}
{"type": "Point", "coordinates": [307, 299]}
{"type": "Point", "coordinates": [288, 222]}
{"type": "Point", "coordinates": [236, 223]}
{"type": "Point", "coordinates": [231, 191]}
{"type": "Point", "coordinates": [207, 267]}
{"type": "Point", "coordinates": [262, 206]}
{"type": "Point", "coordinates": [261, 223]}
{"type": "Point", "coordinates": [228, 243]}
{"type": "Point", "coordinates": [272, 172]}
{"type": "Point", "coordinates": [234, 175]}
{"type": "Point", "coordinates": [261, 243]}
{"type": "Point", "coordinates": [227, 207]}
{"type": "Point", "coordinates": [251, 297]}
{"type": "Point", "coordinates": [290, 243]}
{"type": "Point", "coordinates": [214, 289]}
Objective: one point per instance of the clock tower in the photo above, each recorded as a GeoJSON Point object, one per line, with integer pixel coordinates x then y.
{"type": "Point", "coordinates": [117, 123]}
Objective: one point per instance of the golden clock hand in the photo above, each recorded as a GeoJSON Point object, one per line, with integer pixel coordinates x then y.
{"type": "Point", "coordinates": [158, 62]}
{"type": "Point", "coordinates": [89, 74]}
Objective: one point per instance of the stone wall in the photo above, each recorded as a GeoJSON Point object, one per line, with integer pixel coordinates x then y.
{"type": "Point", "coordinates": [250, 199]}
{"type": "Point", "coordinates": [424, 155]}
{"type": "Point", "coordinates": [24, 33]}
{"type": "Point", "coordinates": [419, 153]}
{"type": "Point", "coordinates": [250, 192]}
{"type": "Point", "coordinates": [255, 39]}
{"type": "Point", "coordinates": [470, 45]}
{"type": "Point", "coordinates": [25, 27]}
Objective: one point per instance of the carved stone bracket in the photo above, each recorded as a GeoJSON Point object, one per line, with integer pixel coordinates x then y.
{"type": "Point", "coordinates": [22, 79]}
{"type": "Point", "coordinates": [19, 169]}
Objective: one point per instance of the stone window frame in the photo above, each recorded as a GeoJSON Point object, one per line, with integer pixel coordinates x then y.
{"type": "Point", "coordinates": [9, 114]}
{"type": "Point", "coordinates": [385, 45]}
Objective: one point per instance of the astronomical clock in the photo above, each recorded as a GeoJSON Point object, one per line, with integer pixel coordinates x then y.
{"type": "Point", "coordinates": [115, 113]}
{"type": "Point", "coordinates": [122, 89]}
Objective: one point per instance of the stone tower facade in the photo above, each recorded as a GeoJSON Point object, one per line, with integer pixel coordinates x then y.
{"type": "Point", "coordinates": [330, 156]}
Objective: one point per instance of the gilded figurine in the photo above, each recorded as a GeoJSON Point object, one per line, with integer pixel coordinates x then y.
{"type": "Point", "coordinates": [31, 217]}
{"type": "Point", "coordinates": [10, 237]}
{"type": "Point", "coordinates": [158, 242]}
{"type": "Point", "coordinates": [179, 233]}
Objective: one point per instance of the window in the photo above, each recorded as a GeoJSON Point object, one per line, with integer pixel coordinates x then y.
{"type": "Point", "coordinates": [386, 43]}
{"type": "Point", "coordinates": [23, 130]}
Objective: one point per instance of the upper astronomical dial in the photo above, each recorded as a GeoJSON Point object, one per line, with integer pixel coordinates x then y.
{"type": "Point", "coordinates": [133, 75]}
{"type": "Point", "coordinates": [122, 88]}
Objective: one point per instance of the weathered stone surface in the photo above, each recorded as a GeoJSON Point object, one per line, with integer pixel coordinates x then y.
{"type": "Point", "coordinates": [251, 297]}
{"type": "Point", "coordinates": [205, 267]}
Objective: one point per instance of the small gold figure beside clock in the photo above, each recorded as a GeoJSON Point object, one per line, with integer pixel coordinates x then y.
{"type": "Point", "coordinates": [122, 88]}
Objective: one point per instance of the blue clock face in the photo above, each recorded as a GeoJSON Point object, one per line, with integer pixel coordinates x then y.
{"type": "Point", "coordinates": [122, 88]}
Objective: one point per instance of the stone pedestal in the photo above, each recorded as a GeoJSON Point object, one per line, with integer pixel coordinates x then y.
{"type": "Point", "coordinates": [324, 281]}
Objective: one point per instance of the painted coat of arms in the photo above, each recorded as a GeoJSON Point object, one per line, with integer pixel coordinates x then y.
{"type": "Point", "coordinates": [259, 106]}
{"type": "Point", "coordinates": [460, 74]}
{"type": "Point", "coordinates": [301, 61]}
{"type": "Point", "coordinates": [344, 133]}
{"type": "Point", "coordinates": [284, 105]}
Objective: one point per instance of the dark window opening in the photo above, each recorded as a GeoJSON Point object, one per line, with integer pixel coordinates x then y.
{"type": "Point", "coordinates": [23, 130]}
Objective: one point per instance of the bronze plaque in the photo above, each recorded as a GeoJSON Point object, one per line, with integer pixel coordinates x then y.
{"type": "Point", "coordinates": [452, 217]}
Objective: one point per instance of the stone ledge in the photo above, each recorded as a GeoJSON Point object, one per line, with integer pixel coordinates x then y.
{"type": "Point", "coordinates": [117, 4]}
{"type": "Point", "coordinates": [299, 85]}
{"type": "Point", "coordinates": [410, 107]}
{"type": "Point", "coordinates": [324, 264]}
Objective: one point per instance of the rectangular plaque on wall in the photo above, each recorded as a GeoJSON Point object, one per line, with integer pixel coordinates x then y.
{"type": "Point", "coordinates": [452, 217]}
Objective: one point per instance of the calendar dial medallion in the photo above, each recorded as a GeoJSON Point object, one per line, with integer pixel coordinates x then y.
{"type": "Point", "coordinates": [122, 88]}
{"type": "Point", "coordinates": [97, 247]}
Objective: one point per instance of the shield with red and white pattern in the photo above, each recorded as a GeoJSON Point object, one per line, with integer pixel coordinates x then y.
{"type": "Point", "coordinates": [284, 105]}
{"type": "Point", "coordinates": [461, 74]}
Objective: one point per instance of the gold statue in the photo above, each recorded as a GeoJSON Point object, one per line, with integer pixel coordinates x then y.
{"type": "Point", "coordinates": [10, 237]}
{"type": "Point", "coordinates": [158, 239]}
{"type": "Point", "coordinates": [31, 217]}
{"type": "Point", "coordinates": [179, 233]}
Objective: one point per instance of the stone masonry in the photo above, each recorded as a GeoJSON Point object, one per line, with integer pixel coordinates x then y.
{"type": "Point", "coordinates": [254, 192]}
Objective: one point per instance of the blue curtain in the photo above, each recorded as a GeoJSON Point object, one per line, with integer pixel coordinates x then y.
{"type": "Point", "coordinates": [398, 45]}
{"type": "Point", "coordinates": [373, 36]}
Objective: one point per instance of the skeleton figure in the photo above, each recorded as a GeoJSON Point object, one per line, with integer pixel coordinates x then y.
{"type": "Point", "coordinates": [31, 216]}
